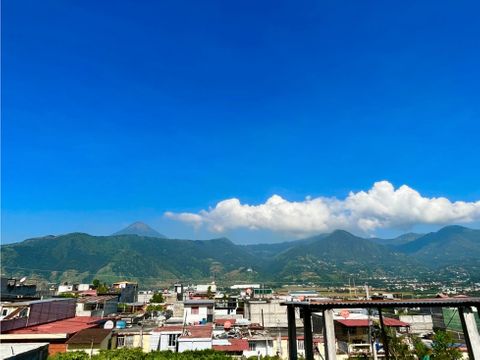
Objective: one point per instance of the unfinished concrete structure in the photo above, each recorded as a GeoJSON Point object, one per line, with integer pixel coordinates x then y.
{"type": "Point", "coordinates": [464, 305]}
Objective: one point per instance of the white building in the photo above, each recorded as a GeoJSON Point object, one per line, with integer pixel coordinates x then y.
{"type": "Point", "coordinates": [198, 311]}
{"type": "Point", "coordinates": [96, 305]}
{"type": "Point", "coordinates": [181, 338]}
{"type": "Point", "coordinates": [260, 345]}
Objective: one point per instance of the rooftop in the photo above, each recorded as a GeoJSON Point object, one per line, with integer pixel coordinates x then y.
{"type": "Point", "coordinates": [199, 302]}
{"type": "Point", "coordinates": [89, 336]}
{"type": "Point", "coordinates": [364, 322]}
{"type": "Point", "coordinates": [14, 350]}
{"type": "Point", "coordinates": [234, 345]}
{"type": "Point", "coordinates": [95, 299]}
{"type": "Point", "coordinates": [191, 331]}
{"type": "Point", "coordinates": [66, 326]}
{"type": "Point", "coordinates": [389, 303]}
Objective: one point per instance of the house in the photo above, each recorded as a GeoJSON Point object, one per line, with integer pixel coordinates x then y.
{"type": "Point", "coordinates": [100, 306]}
{"type": "Point", "coordinates": [17, 315]}
{"type": "Point", "coordinates": [280, 345]}
{"type": "Point", "coordinates": [11, 289]}
{"type": "Point", "coordinates": [56, 333]}
{"type": "Point", "coordinates": [136, 336]}
{"type": "Point", "coordinates": [196, 338]}
{"type": "Point", "coordinates": [198, 311]}
{"type": "Point", "coordinates": [90, 340]}
{"type": "Point", "coordinates": [226, 307]}
{"type": "Point", "coordinates": [179, 338]}
{"type": "Point", "coordinates": [260, 345]}
{"type": "Point", "coordinates": [353, 334]}
{"type": "Point", "coordinates": [128, 291]}
{"type": "Point", "coordinates": [268, 313]}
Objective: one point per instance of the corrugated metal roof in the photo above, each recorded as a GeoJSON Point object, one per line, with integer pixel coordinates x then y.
{"type": "Point", "coordinates": [235, 345]}
{"type": "Point", "coordinates": [89, 336]}
{"type": "Point", "coordinates": [336, 304]}
{"type": "Point", "coordinates": [66, 326]}
{"type": "Point", "coordinates": [364, 322]}
{"type": "Point", "coordinates": [95, 299]}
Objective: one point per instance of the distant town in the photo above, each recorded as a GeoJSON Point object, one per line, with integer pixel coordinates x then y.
{"type": "Point", "coordinates": [241, 320]}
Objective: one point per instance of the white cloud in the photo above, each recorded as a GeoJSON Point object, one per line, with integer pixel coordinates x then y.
{"type": "Point", "coordinates": [381, 207]}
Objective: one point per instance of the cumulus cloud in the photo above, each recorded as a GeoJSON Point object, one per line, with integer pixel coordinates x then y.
{"type": "Point", "coordinates": [382, 206]}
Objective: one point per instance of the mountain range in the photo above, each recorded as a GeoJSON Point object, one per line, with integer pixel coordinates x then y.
{"type": "Point", "coordinates": [130, 254]}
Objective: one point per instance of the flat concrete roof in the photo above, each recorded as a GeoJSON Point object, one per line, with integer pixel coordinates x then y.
{"type": "Point", "coordinates": [409, 303]}
{"type": "Point", "coordinates": [11, 350]}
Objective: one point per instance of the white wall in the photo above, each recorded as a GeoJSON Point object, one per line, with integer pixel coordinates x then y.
{"type": "Point", "coordinates": [193, 318]}
{"type": "Point", "coordinates": [261, 348]}
{"type": "Point", "coordinates": [194, 344]}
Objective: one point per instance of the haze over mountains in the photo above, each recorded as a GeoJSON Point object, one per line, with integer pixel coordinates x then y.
{"type": "Point", "coordinates": [141, 229]}
{"type": "Point", "coordinates": [155, 259]}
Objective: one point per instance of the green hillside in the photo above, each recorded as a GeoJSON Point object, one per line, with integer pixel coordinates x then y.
{"type": "Point", "coordinates": [152, 260]}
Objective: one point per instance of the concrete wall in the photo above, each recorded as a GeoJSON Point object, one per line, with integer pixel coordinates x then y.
{"type": "Point", "coordinates": [195, 318]}
{"type": "Point", "coordinates": [274, 315]}
{"type": "Point", "coordinates": [262, 347]}
{"type": "Point", "coordinates": [419, 324]}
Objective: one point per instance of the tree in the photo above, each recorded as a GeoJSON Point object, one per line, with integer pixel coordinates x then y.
{"type": "Point", "coordinates": [442, 348]}
{"type": "Point", "coordinates": [419, 348]}
{"type": "Point", "coordinates": [96, 283]}
{"type": "Point", "coordinates": [209, 292]}
{"type": "Point", "coordinates": [157, 298]}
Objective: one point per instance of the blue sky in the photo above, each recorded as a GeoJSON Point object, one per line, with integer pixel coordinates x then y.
{"type": "Point", "coordinates": [120, 111]}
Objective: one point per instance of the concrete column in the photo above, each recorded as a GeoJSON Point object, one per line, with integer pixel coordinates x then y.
{"type": "Point", "coordinates": [470, 331]}
{"type": "Point", "coordinates": [307, 331]}
{"type": "Point", "coordinates": [329, 335]}
{"type": "Point", "coordinates": [384, 335]}
{"type": "Point", "coordinates": [292, 333]}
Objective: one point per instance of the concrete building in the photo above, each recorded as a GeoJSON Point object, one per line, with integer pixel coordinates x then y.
{"type": "Point", "coordinates": [259, 345]}
{"type": "Point", "coordinates": [98, 306]}
{"type": "Point", "coordinates": [90, 341]}
{"type": "Point", "coordinates": [198, 311]}
{"type": "Point", "coordinates": [268, 313]}
{"type": "Point", "coordinates": [137, 336]}
{"type": "Point", "coordinates": [181, 338]}
{"type": "Point", "coordinates": [419, 324]}
{"type": "Point", "coordinates": [11, 289]}
{"type": "Point", "coordinates": [128, 291]}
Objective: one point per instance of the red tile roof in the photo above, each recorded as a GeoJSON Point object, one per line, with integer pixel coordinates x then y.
{"type": "Point", "coordinates": [66, 326]}
{"type": "Point", "coordinates": [364, 322]}
{"type": "Point", "coordinates": [236, 345]}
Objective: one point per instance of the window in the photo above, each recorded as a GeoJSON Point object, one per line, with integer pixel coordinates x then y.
{"type": "Point", "coordinates": [172, 340]}
{"type": "Point", "coordinates": [300, 345]}
{"type": "Point", "coordinates": [120, 341]}
{"type": "Point", "coordinates": [4, 312]}
{"type": "Point", "coordinates": [252, 345]}
{"type": "Point", "coordinates": [125, 341]}
{"type": "Point", "coordinates": [195, 310]}
{"type": "Point", "coordinates": [129, 341]}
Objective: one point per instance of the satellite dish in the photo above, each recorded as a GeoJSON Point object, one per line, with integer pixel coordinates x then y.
{"type": "Point", "coordinates": [108, 325]}
{"type": "Point", "coordinates": [22, 280]}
